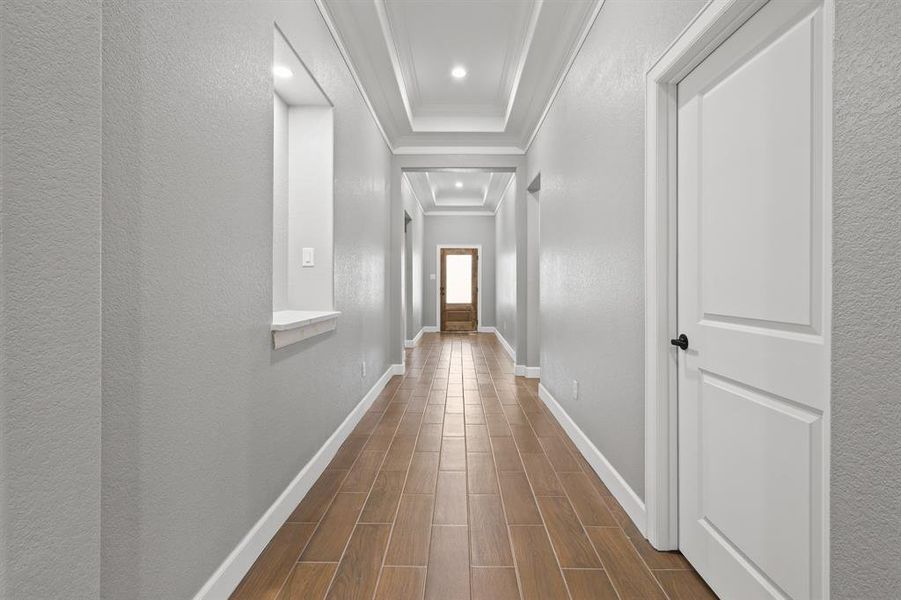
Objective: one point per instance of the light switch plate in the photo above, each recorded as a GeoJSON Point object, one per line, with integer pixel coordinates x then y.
{"type": "Point", "coordinates": [307, 257]}
{"type": "Point", "coordinates": [432, 276]}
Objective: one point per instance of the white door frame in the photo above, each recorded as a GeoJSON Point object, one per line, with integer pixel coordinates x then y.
{"type": "Point", "coordinates": [478, 248]}
{"type": "Point", "coordinates": [712, 25]}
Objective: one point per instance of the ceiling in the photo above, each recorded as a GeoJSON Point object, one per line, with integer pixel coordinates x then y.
{"type": "Point", "coordinates": [515, 53]}
{"type": "Point", "coordinates": [459, 191]}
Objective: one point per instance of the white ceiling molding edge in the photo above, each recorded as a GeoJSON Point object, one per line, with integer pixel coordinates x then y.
{"type": "Point", "coordinates": [523, 53]}
{"type": "Point", "coordinates": [504, 193]}
{"type": "Point", "coordinates": [326, 16]}
{"type": "Point", "coordinates": [583, 35]}
{"type": "Point", "coordinates": [385, 25]}
{"type": "Point", "coordinates": [460, 213]}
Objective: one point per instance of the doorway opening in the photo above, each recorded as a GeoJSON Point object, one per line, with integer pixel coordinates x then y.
{"type": "Point", "coordinates": [458, 288]}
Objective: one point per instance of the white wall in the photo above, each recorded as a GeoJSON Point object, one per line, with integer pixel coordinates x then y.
{"type": "Point", "coordinates": [590, 152]}
{"type": "Point", "coordinates": [203, 424]}
{"type": "Point", "coordinates": [280, 205]}
{"type": "Point", "coordinates": [533, 287]}
{"type": "Point", "coordinates": [456, 230]}
{"type": "Point", "coordinates": [505, 258]}
{"type": "Point", "coordinates": [50, 202]}
{"type": "Point", "coordinates": [310, 206]}
{"type": "Point", "coordinates": [414, 280]}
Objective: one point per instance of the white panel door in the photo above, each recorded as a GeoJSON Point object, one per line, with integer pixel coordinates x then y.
{"type": "Point", "coordinates": [753, 300]}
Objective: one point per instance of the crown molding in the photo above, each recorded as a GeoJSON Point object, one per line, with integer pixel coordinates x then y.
{"type": "Point", "coordinates": [336, 37]}
{"type": "Point", "coordinates": [459, 150]}
{"type": "Point", "coordinates": [459, 213]}
{"type": "Point", "coordinates": [577, 47]}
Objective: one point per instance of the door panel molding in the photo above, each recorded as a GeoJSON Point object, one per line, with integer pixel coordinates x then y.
{"type": "Point", "coordinates": [715, 23]}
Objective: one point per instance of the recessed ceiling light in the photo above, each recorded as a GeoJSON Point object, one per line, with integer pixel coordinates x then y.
{"type": "Point", "coordinates": [458, 72]}
{"type": "Point", "coordinates": [458, 185]}
{"type": "Point", "coordinates": [282, 72]}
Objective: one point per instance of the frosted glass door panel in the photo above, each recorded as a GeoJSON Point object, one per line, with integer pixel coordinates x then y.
{"type": "Point", "coordinates": [459, 279]}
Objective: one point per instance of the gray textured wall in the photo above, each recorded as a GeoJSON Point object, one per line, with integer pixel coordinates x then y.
{"type": "Point", "coordinates": [866, 349]}
{"type": "Point", "coordinates": [505, 270]}
{"type": "Point", "coordinates": [590, 152]}
{"type": "Point", "coordinates": [458, 230]}
{"type": "Point", "coordinates": [415, 231]}
{"type": "Point", "coordinates": [203, 424]}
{"type": "Point", "coordinates": [50, 124]}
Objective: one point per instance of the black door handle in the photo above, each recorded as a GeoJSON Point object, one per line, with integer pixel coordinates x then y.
{"type": "Point", "coordinates": [681, 341]}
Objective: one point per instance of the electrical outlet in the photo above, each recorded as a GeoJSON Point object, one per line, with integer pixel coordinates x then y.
{"type": "Point", "coordinates": [575, 390]}
{"type": "Point", "coordinates": [362, 369]}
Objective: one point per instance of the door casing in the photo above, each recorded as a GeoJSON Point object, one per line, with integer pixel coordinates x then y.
{"type": "Point", "coordinates": [438, 249]}
{"type": "Point", "coordinates": [718, 20]}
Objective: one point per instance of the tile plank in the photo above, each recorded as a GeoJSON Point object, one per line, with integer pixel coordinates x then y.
{"type": "Point", "coordinates": [477, 438]}
{"type": "Point", "coordinates": [363, 473]}
{"type": "Point", "coordinates": [399, 454]}
{"type": "Point", "coordinates": [274, 565]}
{"type": "Point", "coordinates": [656, 559]}
{"type": "Point", "coordinates": [539, 573]}
{"type": "Point", "coordinates": [588, 503]}
{"type": "Point", "coordinates": [630, 576]}
{"type": "Point", "coordinates": [494, 583]}
{"type": "Point", "coordinates": [429, 438]}
{"type": "Point", "coordinates": [450, 499]}
{"type": "Point", "coordinates": [518, 499]}
{"type": "Point", "coordinates": [358, 572]}
{"type": "Point", "coordinates": [589, 584]}
{"type": "Point", "coordinates": [684, 585]}
{"type": "Point", "coordinates": [480, 473]}
{"type": "Point", "coordinates": [541, 475]}
{"type": "Point", "coordinates": [453, 454]}
{"type": "Point", "coordinates": [448, 572]}
{"type": "Point", "coordinates": [573, 548]}
{"type": "Point", "coordinates": [558, 454]}
{"type": "Point", "coordinates": [490, 546]}
{"type": "Point", "coordinates": [382, 502]}
{"type": "Point", "coordinates": [331, 536]}
{"type": "Point", "coordinates": [412, 530]}
{"type": "Point", "coordinates": [423, 473]}
{"type": "Point", "coordinates": [506, 455]}
{"type": "Point", "coordinates": [401, 583]}
{"type": "Point", "coordinates": [317, 500]}
{"type": "Point", "coordinates": [308, 581]}
{"type": "Point", "coordinates": [453, 425]}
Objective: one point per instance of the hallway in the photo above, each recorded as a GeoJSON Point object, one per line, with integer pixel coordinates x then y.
{"type": "Point", "coordinates": [450, 299]}
{"type": "Point", "coordinates": [389, 517]}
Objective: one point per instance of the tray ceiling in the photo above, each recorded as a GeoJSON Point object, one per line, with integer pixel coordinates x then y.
{"type": "Point", "coordinates": [515, 54]}
{"type": "Point", "coordinates": [459, 191]}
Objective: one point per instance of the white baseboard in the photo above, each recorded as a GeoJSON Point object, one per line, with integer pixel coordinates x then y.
{"type": "Point", "coordinates": [506, 345]}
{"type": "Point", "coordinates": [487, 330]}
{"type": "Point", "coordinates": [398, 369]}
{"type": "Point", "coordinates": [527, 372]}
{"type": "Point", "coordinates": [532, 372]}
{"type": "Point", "coordinates": [622, 491]}
{"type": "Point", "coordinates": [415, 341]}
{"type": "Point", "coordinates": [232, 570]}
{"type": "Point", "coordinates": [430, 329]}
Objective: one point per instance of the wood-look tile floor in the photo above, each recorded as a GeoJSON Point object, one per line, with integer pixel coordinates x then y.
{"type": "Point", "coordinates": [459, 484]}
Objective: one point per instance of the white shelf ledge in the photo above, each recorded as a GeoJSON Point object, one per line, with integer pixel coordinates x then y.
{"type": "Point", "coordinates": [292, 326]}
